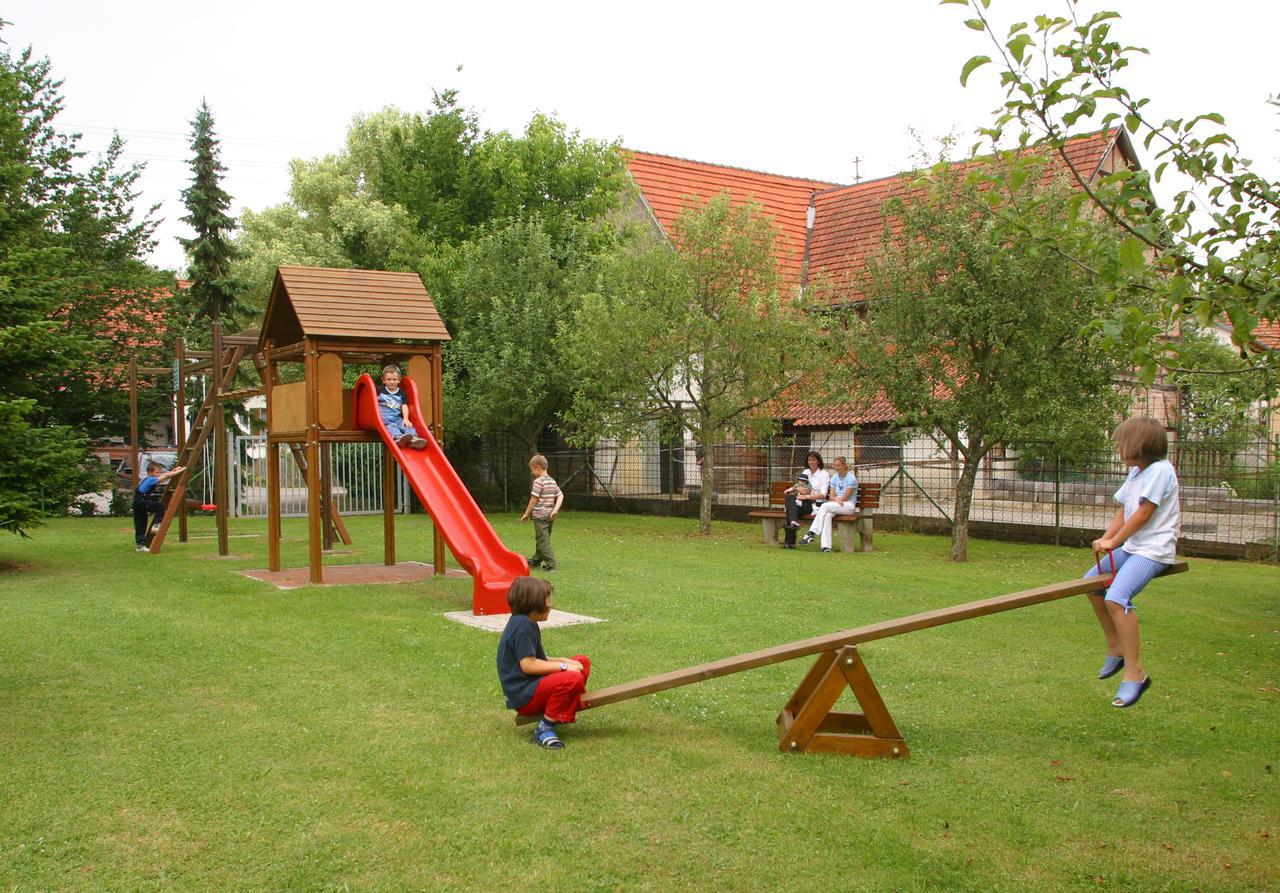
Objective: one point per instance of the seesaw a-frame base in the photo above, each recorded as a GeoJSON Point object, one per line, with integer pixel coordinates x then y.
{"type": "Point", "coordinates": [807, 724]}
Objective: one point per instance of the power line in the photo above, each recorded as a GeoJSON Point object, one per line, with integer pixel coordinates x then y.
{"type": "Point", "coordinates": [185, 137]}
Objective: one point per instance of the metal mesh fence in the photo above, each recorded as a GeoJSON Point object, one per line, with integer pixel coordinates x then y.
{"type": "Point", "coordinates": [1230, 493]}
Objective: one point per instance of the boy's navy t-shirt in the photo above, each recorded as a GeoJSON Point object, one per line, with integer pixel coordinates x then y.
{"type": "Point", "coordinates": [522, 638]}
{"type": "Point", "coordinates": [389, 403]}
{"type": "Point", "coordinates": [147, 484]}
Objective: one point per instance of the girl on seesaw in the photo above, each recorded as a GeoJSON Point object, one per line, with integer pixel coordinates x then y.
{"type": "Point", "coordinates": [1141, 538]}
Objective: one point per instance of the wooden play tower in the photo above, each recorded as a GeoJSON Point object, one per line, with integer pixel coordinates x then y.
{"type": "Point", "coordinates": [320, 319]}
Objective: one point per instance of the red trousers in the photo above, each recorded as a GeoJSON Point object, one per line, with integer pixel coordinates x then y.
{"type": "Point", "coordinates": [558, 696]}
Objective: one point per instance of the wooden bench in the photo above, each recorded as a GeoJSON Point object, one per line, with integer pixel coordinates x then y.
{"type": "Point", "coordinates": [862, 521]}
{"type": "Point", "coordinates": [807, 724]}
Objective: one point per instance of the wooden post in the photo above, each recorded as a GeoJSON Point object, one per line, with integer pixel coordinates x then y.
{"type": "Point", "coordinates": [180, 429]}
{"type": "Point", "coordinates": [133, 421]}
{"type": "Point", "coordinates": [326, 497]}
{"type": "Point", "coordinates": [268, 372]}
{"type": "Point", "coordinates": [388, 509]}
{"type": "Point", "coordinates": [273, 505]}
{"type": "Point", "coordinates": [219, 443]}
{"type": "Point", "coordinates": [314, 520]}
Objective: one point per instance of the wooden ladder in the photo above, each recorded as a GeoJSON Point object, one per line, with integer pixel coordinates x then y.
{"type": "Point", "coordinates": [175, 494]}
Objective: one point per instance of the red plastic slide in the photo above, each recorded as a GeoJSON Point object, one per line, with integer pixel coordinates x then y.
{"type": "Point", "coordinates": [467, 531]}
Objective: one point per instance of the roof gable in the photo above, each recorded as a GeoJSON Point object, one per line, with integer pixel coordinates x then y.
{"type": "Point", "coordinates": [366, 304]}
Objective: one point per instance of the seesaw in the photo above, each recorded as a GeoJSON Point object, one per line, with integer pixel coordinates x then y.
{"type": "Point", "coordinates": [807, 724]}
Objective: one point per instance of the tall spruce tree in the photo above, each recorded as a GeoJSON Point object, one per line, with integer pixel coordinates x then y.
{"type": "Point", "coordinates": [67, 239]}
{"type": "Point", "coordinates": [215, 291]}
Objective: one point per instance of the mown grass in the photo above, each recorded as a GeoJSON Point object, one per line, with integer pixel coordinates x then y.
{"type": "Point", "coordinates": [166, 723]}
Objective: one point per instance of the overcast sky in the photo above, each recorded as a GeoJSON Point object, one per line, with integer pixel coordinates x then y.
{"type": "Point", "coordinates": [793, 88]}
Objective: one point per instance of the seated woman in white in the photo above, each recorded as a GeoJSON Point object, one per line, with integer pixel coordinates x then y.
{"type": "Point", "coordinates": [808, 492]}
{"type": "Point", "coordinates": [842, 499]}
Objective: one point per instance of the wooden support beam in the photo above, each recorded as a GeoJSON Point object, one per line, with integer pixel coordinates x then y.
{"type": "Point", "coordinates": [807, 724]}
{"type": "Point", "coordinates": [314, 521]}
{"type": "Point", "coordinates": [242, 393]}
{"type": "Point", "coordinates": [220, 482]}
{"type": "Point", "coordinates": [388, 509]}
{"type": "Point", "coordinates": [180, 432]}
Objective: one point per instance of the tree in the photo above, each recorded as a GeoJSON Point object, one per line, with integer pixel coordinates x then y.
{"type": "Point", "coordinates": [1213, 255]}
{"type": "Point", "coordinates": [1222, 408]}
{"type": "Point", "coordinates": [509, 291]}
{"type": "Point", "coordinates": [214, 290]}
{"type": "Point", "coordinates": [66, 239]}
{"type": "Point", "coordinates": [480, 215]}
{"type": "Point", "coordinates": [694, 335]}
{"type": "Point", "coordinates": [973, 332]}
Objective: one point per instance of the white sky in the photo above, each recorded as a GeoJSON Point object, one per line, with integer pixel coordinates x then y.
{"type": "Point", "coordinates": [793, 88]}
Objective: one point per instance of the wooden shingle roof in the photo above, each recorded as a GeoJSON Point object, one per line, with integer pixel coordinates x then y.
{"type": "Point", "coordinates": [365, 304]}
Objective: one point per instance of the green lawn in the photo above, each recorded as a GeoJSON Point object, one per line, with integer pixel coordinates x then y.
{"type": "Point", "coordinates": [166, 723]}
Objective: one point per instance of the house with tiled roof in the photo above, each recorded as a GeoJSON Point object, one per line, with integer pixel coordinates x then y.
{"type": "Point", "coordinates": [826, 232]}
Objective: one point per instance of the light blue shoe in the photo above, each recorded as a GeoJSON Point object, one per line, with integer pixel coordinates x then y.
{"type": "Point", "coordinates": [1129, 692]}
{"type": "Point", "coordinates": [1112, 665]}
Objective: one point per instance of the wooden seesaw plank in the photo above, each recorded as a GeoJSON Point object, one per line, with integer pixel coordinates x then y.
{"type": "Point", "coordinates": [834, 641]}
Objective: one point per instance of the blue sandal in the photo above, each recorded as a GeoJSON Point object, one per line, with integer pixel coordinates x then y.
{"type": "Point", "coordinates": [1112, 665]}
{"type": "Point", "coordinates": [1129, 692]}
{"type": "Point", "coordinates": [547, 738]}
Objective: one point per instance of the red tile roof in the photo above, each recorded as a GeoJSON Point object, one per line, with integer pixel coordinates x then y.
{"type": "Point", "coordinates": [848, 221]}
{"type": "Point", "coordinates": [669, 184]}
{"type": "Point", "coordinates": [1267, 334]}
{"type": "Point", "coordinates": [830, 415]}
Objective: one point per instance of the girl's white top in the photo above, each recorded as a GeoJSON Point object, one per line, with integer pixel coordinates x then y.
{"type": "Point", "coordinates": [1158, 484]}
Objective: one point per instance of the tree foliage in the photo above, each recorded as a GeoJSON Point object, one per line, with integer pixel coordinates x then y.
{"type": "Point", "coordinates": [1219, 401]}
{"type": "Point", "coordinates": [972, 331]}
{"type": "Point", "coordinates": [69, 245]}
{"type": "Point", "coordinates": [214, 292]}
{"type": "Point", "coordinates": [1213, 255]}
{"type": "Point", "coordinates": [496, 223]}
{"type": "Point", "coordinates": [696, 334]}
{"type": "Point", "coordinates": [508, 291]}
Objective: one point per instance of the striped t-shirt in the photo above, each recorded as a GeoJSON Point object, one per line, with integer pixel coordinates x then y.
{"type": "Point", "coordinates": [545, 490]}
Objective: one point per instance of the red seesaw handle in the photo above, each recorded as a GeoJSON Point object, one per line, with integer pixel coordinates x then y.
{"type": "Point", "coordinates": [1098, 557]}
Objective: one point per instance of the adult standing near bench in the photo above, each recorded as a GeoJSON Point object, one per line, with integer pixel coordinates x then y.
{"type": "Point", "coordinates": [817, 480]}
{"type": "Point", "coordinates": [842, 499]}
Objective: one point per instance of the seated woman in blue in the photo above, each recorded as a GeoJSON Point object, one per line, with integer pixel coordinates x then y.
{"type": "Point", "coordinates": [842, 499]}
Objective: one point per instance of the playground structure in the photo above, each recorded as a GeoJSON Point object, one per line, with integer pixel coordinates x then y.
{"type": "Point", "coordinates": [807, 724]}
{"type": "Point", "coordinates": [321, 319]}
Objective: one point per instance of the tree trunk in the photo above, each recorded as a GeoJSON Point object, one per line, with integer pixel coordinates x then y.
{"type": "Point", "coordinates": [964, 500]}
{"type": "Point", "coordinates": [707, 467]}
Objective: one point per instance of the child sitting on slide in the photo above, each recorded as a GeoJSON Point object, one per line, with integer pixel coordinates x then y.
{"type": "Point", "coordinates": [393, 407]}
{"type": "Point", "coordinates": [533, 683]}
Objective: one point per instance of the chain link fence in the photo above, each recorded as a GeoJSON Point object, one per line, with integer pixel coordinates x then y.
{"type": "Point", "coordinates": [1230, 493]}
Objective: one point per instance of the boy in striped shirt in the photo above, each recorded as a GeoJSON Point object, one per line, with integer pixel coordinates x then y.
{"type": "Point", "coordinates": [544, 504]}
